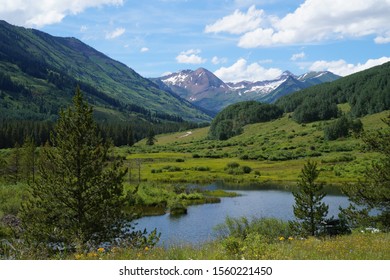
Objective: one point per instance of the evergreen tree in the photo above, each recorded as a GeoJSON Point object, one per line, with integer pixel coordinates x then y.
{"type": "Point", "coordinates": [373, 193]}
{"type": "Point", "coordinates": [151, 138]}
{"type": "Point", "coordinates": [78, 198]}
{"type": "Point", "coordinates": [14, 163]}
{"type": "Point", "coordinates": [309, 208]}
{"type": "Point", "coordinates": [28, 160]}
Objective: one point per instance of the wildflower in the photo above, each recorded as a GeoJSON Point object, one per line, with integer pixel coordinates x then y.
{"type": "Point", "coordinates": [92, 255]}
{"type": "Point", "coordinates": [146, 248]}
{"type": "Point", "coordinates": [78, 256]}
{"type": "Point", "coordinates": [291, 238]}
{"type": "Point", "coordinates": [281, 238]}
{"type": "Point", "coordinates": [101, 250]}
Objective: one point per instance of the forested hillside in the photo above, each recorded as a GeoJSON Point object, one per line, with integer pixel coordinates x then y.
{"type": "Point", "coordinates": [230, 121]}
{"type": "Point", "coordinates": [367, 92]}
{"type": "Point", "coordinates": [39, 74]}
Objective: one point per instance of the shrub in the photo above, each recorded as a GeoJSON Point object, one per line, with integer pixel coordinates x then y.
{"type": "Point", "coordinates": [246, 169]}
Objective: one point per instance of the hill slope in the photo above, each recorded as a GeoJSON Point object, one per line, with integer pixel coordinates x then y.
{"type": "Point", "coordinates": [367, 92]}
{"type": "Point", "coordinates": [38, 73]}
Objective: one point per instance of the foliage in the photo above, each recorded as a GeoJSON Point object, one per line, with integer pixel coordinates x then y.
{"type": "Point", "coordinates": [309, 208]}
{"type": "Point", "coordinates": [373, 193]}
{"type": "Point", "coordinates": [229, 121]}
{"type": "Point", "coordinates": [242, 238]}
{"type": "Point", "coordinates": [343, 127]}
{"type": "Point", "coordinates": [77, 201]}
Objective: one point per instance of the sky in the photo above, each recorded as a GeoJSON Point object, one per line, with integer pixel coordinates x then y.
{"type": "Point", "coordinates": [237, 40]}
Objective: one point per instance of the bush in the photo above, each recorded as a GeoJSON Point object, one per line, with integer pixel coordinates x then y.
{"type": "Point", "coordinates": [246, 169]}
{"type": "Point", "coordinates": [232, 165]}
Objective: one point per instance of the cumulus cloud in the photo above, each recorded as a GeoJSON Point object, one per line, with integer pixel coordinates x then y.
{"type": "Point", "coordinates": [342, 68]}
{"type": "Point", "coordinates": [298, 56]}
{"type": "Point", "coordinates": [238, 22]}
{"type": "Point", "coordinates": [144, 49]}
{"type": "Point", "coordinates": [242, 71]}
{"type": "Point", "coordinates": [115, 33]}
{"type": "Point", "coordinates": [218, 60]}
{"type": "Point", "coordinates": [190, 57]}
{"type": "Point", "coordinates": [313, 21]}
{"type": "Point", "coordinates": [40, 13]}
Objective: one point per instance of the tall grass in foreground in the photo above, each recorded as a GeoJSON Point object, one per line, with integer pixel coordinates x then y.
{"type": "Point", "coordinates": [261, 239]}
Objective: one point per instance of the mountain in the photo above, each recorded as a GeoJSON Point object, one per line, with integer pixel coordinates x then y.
{"type": "Point", "coordinates": [39, 73]}
{"type": "Point", "coordinates": [204, 89]}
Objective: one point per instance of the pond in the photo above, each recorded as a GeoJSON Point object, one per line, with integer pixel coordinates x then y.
{"type": "Point", "coordinates": [268, 201]}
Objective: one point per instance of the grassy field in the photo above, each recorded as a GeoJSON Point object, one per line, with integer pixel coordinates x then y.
{"type": "Point", "coordinates": [358, 246]}
{"type": "Point", "coordinates": [274, 151]}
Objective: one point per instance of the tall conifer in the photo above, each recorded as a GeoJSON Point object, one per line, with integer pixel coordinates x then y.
{"type": "Point", "coordinates": [77, 199]}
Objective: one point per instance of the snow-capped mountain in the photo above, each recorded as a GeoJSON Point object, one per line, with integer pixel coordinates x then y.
{"type": "Point", "coordinates": [205, 89]}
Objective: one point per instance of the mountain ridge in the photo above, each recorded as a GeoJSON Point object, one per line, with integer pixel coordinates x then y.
{"type": "Point", "coordinates": [48, 67]}
{"type": "Point", "coordinates": [205, 89]}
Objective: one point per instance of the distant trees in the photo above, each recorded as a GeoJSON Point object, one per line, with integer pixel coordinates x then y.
{"type": "Point", "coordinates": [229, 121]}
{"type": "Point", "coordinates": [367, 93]}
{"type": "Point", "coordinates": [309, 208]}
{"type": "Point", "coordinates": [78, 198]}
{"type": "Point", "coordinates": [373, 193]}
{"type": "Point", "coordinates": [343, 127]}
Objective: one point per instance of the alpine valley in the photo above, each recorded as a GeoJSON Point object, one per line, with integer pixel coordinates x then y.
{"type": "Point", "coordinates": [203, 88]}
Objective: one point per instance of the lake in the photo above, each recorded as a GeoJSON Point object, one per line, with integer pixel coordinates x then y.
{"type": "Point", "coordinates": [268, 201]}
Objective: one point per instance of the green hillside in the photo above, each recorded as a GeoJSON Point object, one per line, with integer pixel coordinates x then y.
{"type": "Point", "coordinates": [366, 92]}
{"type": "Point", "coordinates": [39, 73]}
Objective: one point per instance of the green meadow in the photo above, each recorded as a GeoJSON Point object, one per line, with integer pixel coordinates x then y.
{"type": "Point", "coordinates": [274, 151]}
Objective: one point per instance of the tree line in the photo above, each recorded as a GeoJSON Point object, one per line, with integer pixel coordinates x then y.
{"type": "Point", "coordinates": [367, 92]}
{"type": "Point", "coordinates": [120, 133]}
{"type": "Point", "coordinates": [230, 121]}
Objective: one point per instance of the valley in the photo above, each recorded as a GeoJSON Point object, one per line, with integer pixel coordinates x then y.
{"type": "Point", "coordinates": [81, 131]}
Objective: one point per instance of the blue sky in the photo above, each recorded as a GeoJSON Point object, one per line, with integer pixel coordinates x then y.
{"type": "Point", "coordinates": [235, 39]}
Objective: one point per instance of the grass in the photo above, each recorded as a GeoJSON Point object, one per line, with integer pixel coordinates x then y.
{"type": "Point", "coordinates": [274, 151]}
{"type": "Point", "coordinates": [357, 246]}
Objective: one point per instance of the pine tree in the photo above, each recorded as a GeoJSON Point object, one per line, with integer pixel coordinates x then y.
{"type": "Point", "coordinates": [14, 164]}
{"type": "Point", "coordinates": [309, 208]}
{"type": "Point", "coordinates": [28, 160]}
{"type": "Point", "coordinates": [78, 198]}
{"type": "Point", "coordinates": [373, 192]}
{"type": "Point", "coordinates": [151, 138]}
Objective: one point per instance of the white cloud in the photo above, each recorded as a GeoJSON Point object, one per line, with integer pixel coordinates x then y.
{"type": "Point", "coordinates": [190, 57]}
{"type": "Point", "coordinates": [238, 22]}
{"type": "Point", "coordinates": [383, 39]}
{"type": "Point", "coordinates": [342, 68]}
{"type": "Point", "coordinates": [144, 49]}
{"type": "Point", "coordinates": [242, 71]}
{"type": "Point", "coordinates": [298, 56]}
{"type": "Point", "coordinates": [218, 60]}
{"type": "Point", "coordinates": [40, 13]}
{"type": "Point", "coordinates": [313, 21]}
{"type": "Point", "coordinates": [115, 33]}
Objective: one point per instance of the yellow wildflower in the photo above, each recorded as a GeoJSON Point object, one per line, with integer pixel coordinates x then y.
{"type": "Point", "coordinates": [281, 238]}
{"type": "Point", "coordinates": [146, 248]}
{"type": "Point", "coordinates": [101, 250]}
{"type": "Point", "coordinates": [291, 238]}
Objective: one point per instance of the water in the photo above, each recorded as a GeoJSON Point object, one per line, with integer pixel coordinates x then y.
{"type": "Point", "coordinates": [255, 201]}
